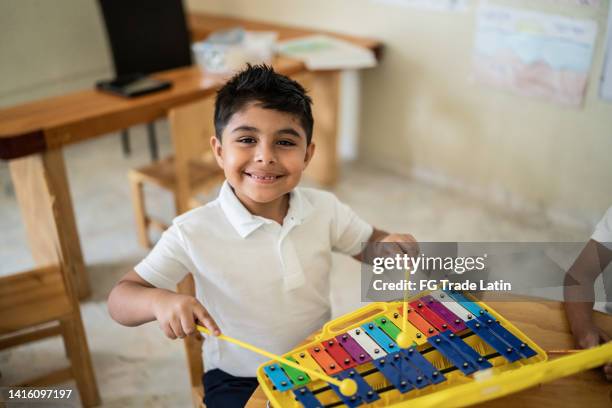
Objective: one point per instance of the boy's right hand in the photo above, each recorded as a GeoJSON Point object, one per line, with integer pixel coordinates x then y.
{"type": "Point", "coordinates": [178, 315]}
{"type": "Point", "coordinates": [589, 335]}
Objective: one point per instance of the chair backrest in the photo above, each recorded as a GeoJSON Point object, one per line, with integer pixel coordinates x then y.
{"type": "Point", "coordinates": [146, 36]}
{"type": "Point", "coordinates": [191, 127]}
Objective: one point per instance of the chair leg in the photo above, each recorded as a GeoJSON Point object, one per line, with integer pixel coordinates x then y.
{"type": "Point", "coordinates": [64, 328]}
{"type": "Point", "coordinates": [140, 215]}
{"type": "Point", "coordinates": [152, 141]}
{"type": "Point", "coordinates": [82, 368]}
{"type": "Point", "coordinates": [125, 142]}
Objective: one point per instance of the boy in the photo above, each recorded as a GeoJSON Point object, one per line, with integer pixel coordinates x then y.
{"type": "Point", "coordinates": [579, 280]}
{"type": "Point", "coordinates": [261, 252]}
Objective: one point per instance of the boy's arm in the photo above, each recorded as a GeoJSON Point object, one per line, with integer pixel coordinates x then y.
{"type": "Point", "coordinates": [578, 285]}
{"type": "Point", "coordinates": [134, 301]}
{"type": "Point", "coordinates": [411, 246]}
{"type": "Point", "coordinates": [579, 292]}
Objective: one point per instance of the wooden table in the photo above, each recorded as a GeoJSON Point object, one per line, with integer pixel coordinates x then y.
{"type": "Point", "coordinates": [32, 136]}
{"type": "Point", "coordinates": [545, 323]}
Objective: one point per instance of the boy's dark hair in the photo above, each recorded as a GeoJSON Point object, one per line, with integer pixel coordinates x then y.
{"type": "Point", "coordinates": [259, 83]}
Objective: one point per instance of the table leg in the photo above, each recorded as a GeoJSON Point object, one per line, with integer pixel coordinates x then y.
{"type": "Point", "coordinates": [324, 89]}
{"type": "Point", "coordinates": [41, 187]}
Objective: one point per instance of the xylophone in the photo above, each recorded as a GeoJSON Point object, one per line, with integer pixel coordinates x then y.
{"type": "Point", "coordinates": [461, 352]}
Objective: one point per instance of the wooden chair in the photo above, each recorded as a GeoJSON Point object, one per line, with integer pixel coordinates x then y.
{"type": "Point", "coordinates": [193, 349]}
{"type": "Point", "coordinates": [41, 303]}
{"type": "Point", "coordinates": [191, 171]}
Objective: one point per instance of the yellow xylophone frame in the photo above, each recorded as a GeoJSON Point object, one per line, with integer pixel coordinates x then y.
{"type": "Point", "coordinates": [458, 390]}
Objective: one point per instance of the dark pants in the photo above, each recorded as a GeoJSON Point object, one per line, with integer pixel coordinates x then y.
{"type": "Point", "coordinates": [222, 390]}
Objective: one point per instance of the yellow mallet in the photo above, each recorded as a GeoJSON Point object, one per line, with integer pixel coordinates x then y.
{"type": "Point", "coordinates": [347, 386]}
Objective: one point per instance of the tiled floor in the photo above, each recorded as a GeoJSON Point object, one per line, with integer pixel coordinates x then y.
{"type": "Point", "coordinates": [138, 366]}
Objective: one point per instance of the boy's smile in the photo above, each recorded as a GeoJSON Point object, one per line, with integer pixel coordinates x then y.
{"type": "Point", "coordinates": [263, 153]}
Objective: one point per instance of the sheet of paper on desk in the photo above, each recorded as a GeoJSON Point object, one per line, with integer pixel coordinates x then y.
{"type": "Point", "coordinates": [325, 52]}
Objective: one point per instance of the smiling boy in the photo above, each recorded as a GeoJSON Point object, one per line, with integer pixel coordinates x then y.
{"type": "Point", "coordinates": [260, 253]}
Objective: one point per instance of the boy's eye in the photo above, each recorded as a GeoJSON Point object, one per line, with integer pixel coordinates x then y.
{"type": "Point", "coordinates": [246, 140]}
{"type": "Point", "coordinates": [286, 143]}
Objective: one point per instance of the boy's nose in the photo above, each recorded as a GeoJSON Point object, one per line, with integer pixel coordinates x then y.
{"type": "Point", "coordinates": [265, 155]}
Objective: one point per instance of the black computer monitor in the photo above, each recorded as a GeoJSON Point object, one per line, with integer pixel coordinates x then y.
{"type": "Point", "coordinates": [146, 35]}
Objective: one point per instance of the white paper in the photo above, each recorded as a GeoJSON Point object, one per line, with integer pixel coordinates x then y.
{"type": "Point", "coordinates": [321, 52]}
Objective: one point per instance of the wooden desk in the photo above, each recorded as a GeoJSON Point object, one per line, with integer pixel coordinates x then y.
{"type": "Point", "coordinates": [544, 323]}
{"type": "Point", "coordinates": [33, 134]}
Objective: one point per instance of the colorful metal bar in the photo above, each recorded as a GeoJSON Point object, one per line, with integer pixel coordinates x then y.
{"type": "Point", "coordinates": [455, 323]}
{"type": "Point", "coordinates": [446, 349]}
{"type": "Point", "coordinates": [365, 394]}
{"type": "Point", "coordinates": [421, 324]}
{"type": "Point", "coordinates": [344, 360]}
{"type": "Point", "coordinates": [416, 336]}
{"type": "Point", "coordinates": [380, 337]}
{"type": "Point", "coordinates": [298, 377]}
{"type": "Point", "coordinates": [496, 327]}
{"type": "Point", "coordinates": [304, 358]}
{"type": "Point", "coordinates": [353, 348]}
{"type": "Point", "coordinates": [513, 345]}
{"type": "Point", "coordinates": [326, 362]}
{"type": "Point", "coordinates": [430, 316]}
{"type": "Point", "coordinates": [469, 305]}
{"type": "Point", "coordinates": [468, 352]}
{"type": "Point", "coordinates": [393, 374]}
{"type": "Point", "coordinates": [503, 348]}
{"type": "Point", "coordinates": [278, 377]}
{"type": "Point", "coordinates": [450, 304]}
{"type": "Point", "coordinates": [366, 342]}
{"type": "Point", "coordinates": [307, 398]}
{"type": "Point", "coordinates": [410, 372]}
{"type": "Point", "coordinates": [423, 365]}
{"type": "Point", "coordinates": [388, 327]}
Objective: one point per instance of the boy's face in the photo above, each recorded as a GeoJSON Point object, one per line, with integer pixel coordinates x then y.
{"type": "Point", "coordinates": [263, 153]}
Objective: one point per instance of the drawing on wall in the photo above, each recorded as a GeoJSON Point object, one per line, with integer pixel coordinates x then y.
{"type": "Point", "coordinates": [533, 53]}
{"type": "Point", "coordinates": [435, 5]}
{"type": "Point", "coordinates": [605, 90]}
{"type": "Point", "coordinates": [591, 3]}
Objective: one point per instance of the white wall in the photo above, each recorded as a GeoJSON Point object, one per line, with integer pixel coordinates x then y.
{"type": "Point", "coordinates": [420, 114]}
{"type": "Point", "coordinates": [49, 47]}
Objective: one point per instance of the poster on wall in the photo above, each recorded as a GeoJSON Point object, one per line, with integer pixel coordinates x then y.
{"type": "Point", "coordinates": [534, 54]}
{"type": "Point", "coordinates": [605, 90]}
{"type": "Point", "coordinates": [591, 3]}
{"type": "Point", "coordinates": [434, 5]}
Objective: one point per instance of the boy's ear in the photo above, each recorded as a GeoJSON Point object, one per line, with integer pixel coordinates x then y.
{"type": "Point", "coordinates": [217, 148]}
{"type": "Point", "coordinates": [310, 149]}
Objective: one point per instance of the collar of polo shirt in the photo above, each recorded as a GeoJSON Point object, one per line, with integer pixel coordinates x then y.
{"type": "Point", "coordinates": [245, 223]}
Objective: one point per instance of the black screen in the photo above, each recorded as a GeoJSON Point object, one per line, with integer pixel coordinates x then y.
{"type": "Point", "coordinates": [146, 35]}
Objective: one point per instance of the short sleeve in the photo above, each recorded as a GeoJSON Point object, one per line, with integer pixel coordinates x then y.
{"type": "Point", "coordinates": [168, 262]}
{"type": "Point", "coordinates": [603, 230]}
{"type": "Point", "coordinates": [348, 231]}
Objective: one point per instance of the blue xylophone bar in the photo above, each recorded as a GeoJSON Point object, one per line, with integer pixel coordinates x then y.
{"type": "Point", "coordinates": [476, 359]}
{"type": "Point", "coordinates": [494, 326]}
{"type": "Point", "coordinates": [307, 398]}
{"type": "Point", "coordinates": [425, 368]}
{"type": "Point", "coordinates": [392, 373]}
{"type": "Point", "coordinates": [365, 394]}
{"type": "Point", "coordinates": [446, 348]}
{"type": "Point", "coordinates": [380, 337]}
{"type": "Point", "coordinates": [278, 377]}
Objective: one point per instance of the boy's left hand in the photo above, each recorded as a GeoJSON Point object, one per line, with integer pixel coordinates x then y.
{"type": "Point", "coordinates": [406, 243]}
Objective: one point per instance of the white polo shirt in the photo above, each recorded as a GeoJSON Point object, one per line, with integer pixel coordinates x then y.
{"type": "Point", "coordinates": [603, 230]}
{"type": "Point", "coordinates": [263, 283]}
{"type": "Point", "coordinates": [603, 235]}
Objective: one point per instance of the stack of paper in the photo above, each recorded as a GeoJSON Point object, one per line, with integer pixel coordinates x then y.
{"type": "Point", "coordinates": [321, 52]}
